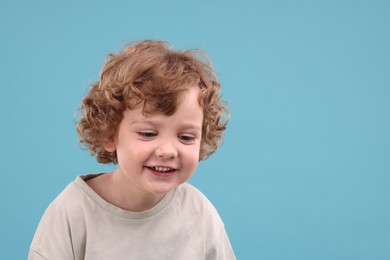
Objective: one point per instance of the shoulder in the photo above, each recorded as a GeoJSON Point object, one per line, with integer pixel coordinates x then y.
{"type": "Point", "coordinates": [76, 194]}
{"type": "Point", "coordinates": [188, 189]}
{"type": "Point", "coordinates": [193, 200]}
{"type": "Point", "coordinates": [197, 205]}
{"type": "Point", "coordinates": [71, 198]}
{"type": "Point", "coordinates": [65, 210]}
{"type": "Point", "coordinates": [60, 225]}
{"type": "Point", "coordinates": [190, 194]}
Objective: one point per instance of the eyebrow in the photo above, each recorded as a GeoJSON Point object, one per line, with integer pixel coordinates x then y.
{"type": "Point", "coordinates": [187, 125]}
{"type": "Point", "coordinates": [184, 125]}
{"type": "Point", "coordinates": [140, 122]}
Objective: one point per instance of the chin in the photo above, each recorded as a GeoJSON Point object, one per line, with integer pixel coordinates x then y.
{"type": "Point", "coordinates": [161, 189]}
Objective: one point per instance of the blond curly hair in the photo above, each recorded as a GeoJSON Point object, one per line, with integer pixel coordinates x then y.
{"type": "Point", "coordinates": [151, 74]}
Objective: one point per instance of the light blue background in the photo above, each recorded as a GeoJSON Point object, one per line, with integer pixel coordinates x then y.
{"type": "Point", "coordinates": [304, 171]}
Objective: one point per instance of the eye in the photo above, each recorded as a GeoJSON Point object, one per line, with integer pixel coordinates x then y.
{"type": "Point", "coordinates": [147, 135]}
{"type": "Point", "coordinates": [188, 139]}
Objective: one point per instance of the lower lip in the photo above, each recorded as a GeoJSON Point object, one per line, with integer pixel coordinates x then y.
{"type": "Point", "coordinates": [161, 174]}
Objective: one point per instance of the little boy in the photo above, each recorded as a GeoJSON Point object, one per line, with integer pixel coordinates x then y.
{"type": "Point", "coordinates": [156, 113]}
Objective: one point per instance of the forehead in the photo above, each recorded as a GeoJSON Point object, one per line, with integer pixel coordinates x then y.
{"type": "Point", "coordinates": [163, 99]}
{"type": "Point", "coordinates": [187, 110]}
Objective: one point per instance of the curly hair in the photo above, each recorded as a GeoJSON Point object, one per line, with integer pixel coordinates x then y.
{"type": "Point", "coordinates": [150, 74]}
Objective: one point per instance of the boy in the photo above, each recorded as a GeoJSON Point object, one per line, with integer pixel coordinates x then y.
{"type": "Point", "coordinates": [155, 113]}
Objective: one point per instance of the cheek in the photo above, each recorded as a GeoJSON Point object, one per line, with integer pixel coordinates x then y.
{"type": "Point", "coordinates": [132, 152]}
{"type": "Point", "coordinates": [192, 156]}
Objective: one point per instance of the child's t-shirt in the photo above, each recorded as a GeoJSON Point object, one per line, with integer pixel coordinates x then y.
{"type": "Point", "coordinates": [79, 224]}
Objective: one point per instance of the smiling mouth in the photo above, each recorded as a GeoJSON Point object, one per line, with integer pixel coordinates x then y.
{"type": "Point", "coordinates": [161, 169]}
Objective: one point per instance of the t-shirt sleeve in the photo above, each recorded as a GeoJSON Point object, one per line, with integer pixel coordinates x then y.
{"type": "Point", "coordinates": [218, 246]}
{"type": "Point", "coordinates": [32, 255]}
{"type": "Point", "coordinates": [52, 239]}
{"type": "Point", "coordinates": [222, 249]}
{"type": "Point", "coordinates": [59, 233]}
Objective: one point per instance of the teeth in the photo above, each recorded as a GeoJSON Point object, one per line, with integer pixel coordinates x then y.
{"type": "Point", "coordinates": [162, 169]}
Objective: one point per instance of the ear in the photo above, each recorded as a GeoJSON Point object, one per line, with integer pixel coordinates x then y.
{"type": "Point", "coordinates": [111, 147]}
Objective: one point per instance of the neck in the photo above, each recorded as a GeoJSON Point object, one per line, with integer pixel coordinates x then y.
{"type": "Point", "coordinates": [128, 196]}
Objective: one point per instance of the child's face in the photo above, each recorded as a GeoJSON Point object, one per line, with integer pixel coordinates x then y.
{"type": "Point", "coordinates": [156, 153]}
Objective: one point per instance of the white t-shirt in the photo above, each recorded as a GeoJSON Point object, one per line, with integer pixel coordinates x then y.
{"type": "Point", "coordinates": [79, 224]}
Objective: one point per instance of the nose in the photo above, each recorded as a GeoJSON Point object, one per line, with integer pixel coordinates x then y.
{"type": "Point", "coordinates": [166, 150]}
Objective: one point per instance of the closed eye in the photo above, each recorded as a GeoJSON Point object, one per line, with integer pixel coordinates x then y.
{"type": "Point", "coordinates": [147, 134]}
{"type": "Point", "coordinates": [187, 138]}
